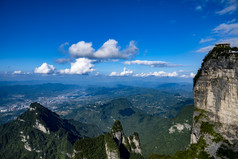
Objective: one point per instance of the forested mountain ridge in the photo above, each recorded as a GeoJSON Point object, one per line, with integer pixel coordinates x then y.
{"type": "Point", "coordinates": [41, 133]}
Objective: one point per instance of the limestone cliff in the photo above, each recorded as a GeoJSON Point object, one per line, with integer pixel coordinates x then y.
{"type": "Point", "coordinates": [216, 102]}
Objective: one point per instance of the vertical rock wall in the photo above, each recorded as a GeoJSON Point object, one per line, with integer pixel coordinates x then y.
{"type": "Point", "coordinates": [216, 102]}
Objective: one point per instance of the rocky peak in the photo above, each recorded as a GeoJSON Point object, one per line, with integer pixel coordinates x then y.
{"type": "Point", "coordinates": [134, 141]}
{"type": "Point", "coordinates": [117, 132]}
{"type": "Point", "coordinates": [216, 101]}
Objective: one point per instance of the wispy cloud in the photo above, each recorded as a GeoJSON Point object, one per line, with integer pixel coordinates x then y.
{"type": "Point", "coordinates": [205, 49]}
{"type": "Point", "coordinates": [157, 74]}
{"type": "Point", "coordinates": [199, 7]}
{"type": "Point", "coordinates": [230, 7]}
{"type": "Point", "coordinates": [62, 47]}
{"type": "Point", "coordinates": [226, 6]}
{"type": "Point", "coordinates": [207, 40]}
{"type": "Point", "coordinates": [151, 63]}
{"type": "Point", "coordinates": [227, 28]}
{"type": "Point", "coordinates": [63, 60]}
{"type": "Point", "coordinates": [232, 41]}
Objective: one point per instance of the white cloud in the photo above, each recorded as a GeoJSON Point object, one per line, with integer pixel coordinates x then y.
{"type": "Point", "coordinates": [61, 47]}
{"type": "Point", "coordinates": [17, 72]}
{"type": "Point", "coordinates": [62, 60]}
{"type": "Point", "coordinates": [205, 49]}
{"type": "Point", "coordinates": [157, 74]}
{"type": "Point", "coordinates": [81, 66]}
{"type": "Point", "coordinates": [125, 72]}
{"type": "Point", "coordinates": [130, 50]}
{"type": "Point", "coordinates": [151, 63]}
{"type": "Point", "coordinates": [109, 50]}
{"type": "Point", "coordinates": [231, 7]}
{"type": "Point", "coordinates": [45, 69]}
{"type": "Point", "coordinates": [191, 75]}
{"type": "Point", "coordinates": [81, 49]}
{"type": "Point", "coordinates": [231, 21]}
{"type": "Point", "coordinates": [227, 28]}
{"type": "Point", "coordinates": [207, 40]}
{"type": "Point", "coordinates": [184, 76]}
{"type": "Point", "coordinates": [199, 7]}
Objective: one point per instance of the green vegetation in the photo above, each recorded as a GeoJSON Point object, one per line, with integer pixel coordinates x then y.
{"type": "Point", "coordinates": [224, 151]}
{"type": "Point", "coordinates": [90, 148]}
{"type": "Point", "coordinates": [136, 135]}
{"type": "Point", "coordinates": [22, 133]}
{"type": "Point", "coordinates": [198, 117]}
{"type": "Point", "coordinates": [201, 115]}
{"type": "Point", "coordinates": [153, 129]}
{"type": "Point", "coordinates": [208, 128]}
{"type": "Point", "coordinates": [126, 112]}
{"type": "Point", "coordinates": [111, 144]}
{"type": "Point", "coordinates": [142, 111]}
{"type": "Point", "coordinates": [96, 147]}
{"type": "Point", "coordinates": [117, 126]}
{"type": "Point", "coordinates": [194, 151]}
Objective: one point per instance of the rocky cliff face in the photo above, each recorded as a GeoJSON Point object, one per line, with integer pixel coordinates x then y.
{"type": "Point", "coordinates": [216, 102]}
{"type": "Point", "coordinates": [124, 144]}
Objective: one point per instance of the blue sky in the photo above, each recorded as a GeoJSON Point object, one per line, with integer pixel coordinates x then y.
{"type": "Point", "coordinates": [133, 38]}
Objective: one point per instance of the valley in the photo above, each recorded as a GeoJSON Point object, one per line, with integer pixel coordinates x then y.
{"type": "Point", "coordinates": [162, 117]}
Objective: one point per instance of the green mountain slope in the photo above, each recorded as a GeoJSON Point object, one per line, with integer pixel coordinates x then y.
{"type": "Point", "coordinates": [153, 130]}
{"type": "Point", "coordinates": [112, 145]}
{"type": "Point", "coordinates": [38, 132]}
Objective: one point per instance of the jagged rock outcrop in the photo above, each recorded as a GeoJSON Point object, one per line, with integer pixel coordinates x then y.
{"type": "Point", "coordinates": [216, 102]}
{"type": "Point", "coordinates": [112, 145]}
{"type": "Point", "coordinates": [134, 141]}
{"type": "Point", "coordinates": [124, 144]}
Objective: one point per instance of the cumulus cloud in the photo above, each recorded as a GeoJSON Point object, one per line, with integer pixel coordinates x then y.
{"type": "Point", "coordinates": [205, 49]}
{"type": "Point", "coordinates": [227, 28]}
{"type": "Point", "coordinates": [81, 49]}
{"type": "Point", "coordinates": [125, 72]}
{"type": "Point", "coordinates": [207, 40]}
{"type": "Point", "coordinates": [157, 74]}
{"type": "Point", "coordinates": [151, 63]}
{"type": "Point", "coordinates": [109, 50]}
{"type": "Point", "coordinates": [45, 69]}
{"type": "Point", "coordinates": [80, 67]}
{"type": "Point", "coordinates": [230, 7]}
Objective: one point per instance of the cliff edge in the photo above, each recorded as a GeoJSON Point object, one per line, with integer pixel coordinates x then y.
{"type": "Point", "coordinates": [216, 103]}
